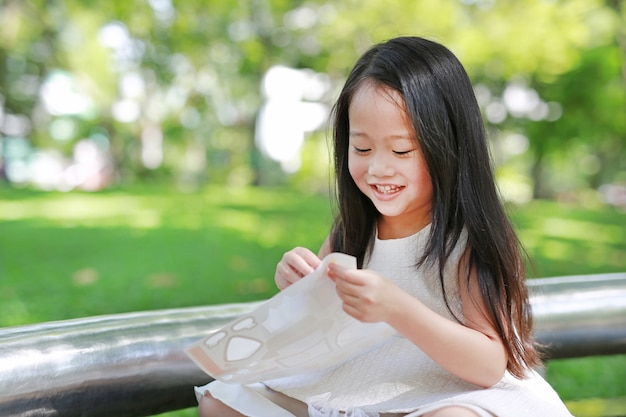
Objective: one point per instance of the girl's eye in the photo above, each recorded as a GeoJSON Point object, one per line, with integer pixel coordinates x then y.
{"type": "Point", "coordinates": [400, 153]}
{"type": "Point", "coordinates": [361, 150]}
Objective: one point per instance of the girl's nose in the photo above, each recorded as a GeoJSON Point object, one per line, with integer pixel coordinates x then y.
{"type": "Point", "coordinates": [379, 166]}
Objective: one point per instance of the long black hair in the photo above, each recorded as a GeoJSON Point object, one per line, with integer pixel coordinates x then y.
{"type": "Point", "coordinates": [441, 104]}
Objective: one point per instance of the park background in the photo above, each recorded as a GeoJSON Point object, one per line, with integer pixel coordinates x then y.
{"type": "Point", "coordinates": [158, 153]}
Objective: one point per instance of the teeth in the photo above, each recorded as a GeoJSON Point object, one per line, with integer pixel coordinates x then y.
{"type": "Point", "coordinates": [387, 189]}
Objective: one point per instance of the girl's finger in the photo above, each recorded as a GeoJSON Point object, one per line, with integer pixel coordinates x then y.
{"type": "Point", "coordinates": [303, 261]}
{"type": "Point", "coordinates": [309, 257]}
{"type": "Point", "coordinates": [347, 275]}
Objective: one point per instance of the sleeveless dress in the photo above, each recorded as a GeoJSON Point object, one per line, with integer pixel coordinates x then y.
{"type": "Point", "coordinates": [395, 377]}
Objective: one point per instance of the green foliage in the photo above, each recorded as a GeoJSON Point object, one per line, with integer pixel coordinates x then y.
{"type": "Point", "coordinates": [591, 91]}
{"type": "Point", "coordinates": [201, 64]}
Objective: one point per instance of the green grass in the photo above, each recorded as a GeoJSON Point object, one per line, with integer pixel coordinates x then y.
{"type": "Point", "coordinates": [564, 239]}
{"type": "Point", "coordinates": [74, 255]}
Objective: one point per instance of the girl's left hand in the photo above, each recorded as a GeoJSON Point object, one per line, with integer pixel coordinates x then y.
{"type": "Point", "coordinates": [367, 296]}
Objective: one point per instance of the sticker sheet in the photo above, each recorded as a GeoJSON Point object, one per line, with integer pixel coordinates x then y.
{"type": "Point", "coordinates": [302, 328]}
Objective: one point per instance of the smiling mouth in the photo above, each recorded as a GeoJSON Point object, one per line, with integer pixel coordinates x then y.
{"type": "Point", "coordinates": [387, 189]}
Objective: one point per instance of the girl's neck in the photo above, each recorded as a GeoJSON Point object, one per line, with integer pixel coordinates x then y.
{"type": "Point", "coordinates": [389, 229]}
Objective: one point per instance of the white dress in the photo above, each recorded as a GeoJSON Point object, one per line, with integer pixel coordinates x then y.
{"type": "Point", "coordinates": [395, 376]}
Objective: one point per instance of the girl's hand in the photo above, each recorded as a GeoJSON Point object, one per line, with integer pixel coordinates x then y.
{"type": "Point", "coordinates": [367, 296]}
{"type": "Point", "coordinates": [294, 265]}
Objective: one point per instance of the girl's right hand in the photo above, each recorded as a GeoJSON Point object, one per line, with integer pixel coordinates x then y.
{"type": "Point", "coordinates": [294, 265]}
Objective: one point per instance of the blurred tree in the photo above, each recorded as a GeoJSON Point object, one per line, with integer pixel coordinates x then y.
{"type": "Point", "coordinates": [589, 140]}
{"type": "Point", "coordinates": [172, 87]}
{"type": "Point", "coordinates": [26, 51]}
{"type": "Point", "coordinates": [585, 147]}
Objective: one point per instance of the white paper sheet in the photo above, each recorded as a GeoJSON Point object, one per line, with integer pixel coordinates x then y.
{"type": "Point", "coordinates": [300, 329]}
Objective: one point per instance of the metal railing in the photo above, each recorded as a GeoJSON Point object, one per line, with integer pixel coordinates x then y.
{"type": "Point", "coordinates": [134, 365]}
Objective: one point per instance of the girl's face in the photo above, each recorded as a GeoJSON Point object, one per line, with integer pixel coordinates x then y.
{"type": "Point", "coordinates": [386, 162]}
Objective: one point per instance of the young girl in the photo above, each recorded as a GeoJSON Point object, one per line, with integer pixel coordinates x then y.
{"type": "Point", "coordinates": [438, 259]}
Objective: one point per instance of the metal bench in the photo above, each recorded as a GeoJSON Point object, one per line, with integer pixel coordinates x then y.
{"type": "Point", "coordinates": [134, 365]}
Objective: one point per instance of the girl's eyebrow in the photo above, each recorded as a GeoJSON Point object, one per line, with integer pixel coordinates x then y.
{"type": "Point", "coordinates": [393, 136]}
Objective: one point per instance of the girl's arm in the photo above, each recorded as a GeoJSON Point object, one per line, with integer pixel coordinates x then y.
{"type": "Point", "coordinates": [325, 249]}
{"type": "Point", "coordinates": [472, 351]}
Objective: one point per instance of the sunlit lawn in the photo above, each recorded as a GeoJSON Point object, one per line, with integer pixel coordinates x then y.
{"type": "Point", "coordinates": [74, 255]}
